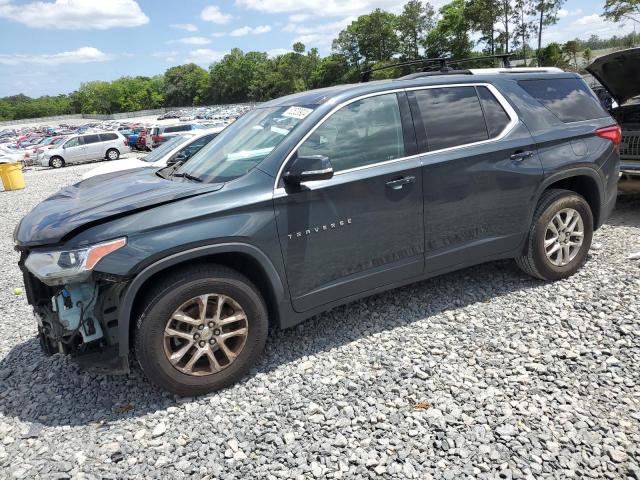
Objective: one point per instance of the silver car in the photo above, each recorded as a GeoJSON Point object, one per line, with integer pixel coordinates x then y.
{"type": "Point", "coordinates": [87, 146]}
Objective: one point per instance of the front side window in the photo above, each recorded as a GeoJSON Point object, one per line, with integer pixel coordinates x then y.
{"type": "Point", "coordinates": [362, 133]}
{"type": "Point", "coordinates": [452, 116]}
{"type": "Point", "coordinates": [244, 144]}
{"type": "Point", "coordinates": [74, 142]}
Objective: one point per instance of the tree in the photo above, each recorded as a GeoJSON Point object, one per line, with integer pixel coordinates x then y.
{"type": "Point", "coordinates": [523, 25]}
{"type": "Point", "coordinates": [483, 16]}
{"type": "Point", "coordinates": [547, 11]}
{"type": "Point", "coordinates": [185, 85]}
{"type": "Point", "coordinates": [450, 35]}
{"type": "Point", "coordinates": [413, 25]}
{"type": "Point", "coordinates": [587, 54]}
{"type": "Point", "coordinates": [619, 10]}
{"type": "Point", "coordinates": [571, 48]}
{"type": "Point", "coordinates": [552, 56]}
{"type": "Point", "coordinates": [370, 38]}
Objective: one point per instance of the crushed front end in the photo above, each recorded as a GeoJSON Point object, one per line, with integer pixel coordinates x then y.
{"type": "Point", "coordinates": [77, 318]}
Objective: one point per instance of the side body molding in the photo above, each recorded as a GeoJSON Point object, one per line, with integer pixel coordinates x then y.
{"type": "Point", "coordinates": [126, 304]}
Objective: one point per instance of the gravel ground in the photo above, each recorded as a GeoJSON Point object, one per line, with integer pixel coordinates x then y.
{"type": "Point", "coordinates": [483, 373]}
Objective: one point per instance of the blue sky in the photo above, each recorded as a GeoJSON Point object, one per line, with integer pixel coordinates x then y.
{"type": "Point", "coordinates": [51, 46]}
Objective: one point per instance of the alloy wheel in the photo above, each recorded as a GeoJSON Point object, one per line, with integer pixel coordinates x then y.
{"type": "Point", "coordinates": [564, 237]}
{"type": "Point", "coordinates": [205, 334]}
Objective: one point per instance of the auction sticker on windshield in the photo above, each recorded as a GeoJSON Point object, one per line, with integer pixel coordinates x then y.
{"type": "Point", "coordinates": [297, 112]}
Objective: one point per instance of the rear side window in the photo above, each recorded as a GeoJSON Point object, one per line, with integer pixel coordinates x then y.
{"type": "Point", "coordinates": [451, 116]}
{"type": "Point", "coordinates": [497, 119]}
{"type": "Point", "coordinates": [179, 128]}
{"type": "Point", "coordinates": [91, 139]}
{"type": "Point", "coordinates": [569, 99]}
{"type": "Point", "coordinates": [105, 137]}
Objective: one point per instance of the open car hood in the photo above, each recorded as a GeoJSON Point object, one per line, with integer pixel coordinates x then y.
{"type": "Point", "coordinates": [100, 199]}
{"type": "Point", "coordinates": [619, 73]}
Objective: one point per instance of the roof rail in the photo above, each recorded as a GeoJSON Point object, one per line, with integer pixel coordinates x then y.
{"type": "Point", "coordinates": [443, 61]}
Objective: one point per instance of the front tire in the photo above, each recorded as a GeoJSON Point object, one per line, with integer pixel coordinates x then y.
{"type": "Point", "coordinates": [560, 236]}
{"type": "Point", "coordinates": [113, 154]}
{"type": "Point", "coordinates": [201, 330]}
{"type": "Point", "coordinates": [56, 162]}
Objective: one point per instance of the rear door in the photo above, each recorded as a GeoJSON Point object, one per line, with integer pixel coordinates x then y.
{"type": "Point", "coordinates": [93, 147]}
{"type": "Point", "coordinates": [363, 228]}
{"type": "Point", "coordinates": [481, 170]}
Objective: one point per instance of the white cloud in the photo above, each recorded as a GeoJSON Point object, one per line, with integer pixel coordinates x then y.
{"type": "Point", "coordinates": [318, 35]}
{"type": "Point", "coordinates": [328, 8]}
{"type": "Point", "coordinates": [191, 41]}
{"type": "Point", "coordinates": [218, 34]}
{"type": "Point", "coordinates": [242, 31]}
{"type": "Point", "coordinates": [299, 17]}
{"type": "Point", "coordinates": [213, 14]}
{"type": "Point", "coordinates": [583, 28]}
{"type": "Point", "coordinates": [75, 14]}
{"type": "Point", "coordinates": [204, 56]}
{"type": "Point", "coordinates": [81, 55]}
{"type": "Point", "coordinates": [189, 27]}
{"type": "Point", "coordinates": [274, 52]}
{"type": "Point", "coordinates": [169, 56]}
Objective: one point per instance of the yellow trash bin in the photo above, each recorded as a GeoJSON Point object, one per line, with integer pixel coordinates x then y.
{"type": "Point", "coordinates": [11, 174]}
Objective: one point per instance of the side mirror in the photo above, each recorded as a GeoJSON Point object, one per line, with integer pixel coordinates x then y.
{"type": "Point", "coordinates": [307, 169]}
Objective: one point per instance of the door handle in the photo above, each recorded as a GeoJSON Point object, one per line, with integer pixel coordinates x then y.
{"type": "Point", "coordinates": [520, 155]}
{"type": "Point", "coordinates": [400, 182]}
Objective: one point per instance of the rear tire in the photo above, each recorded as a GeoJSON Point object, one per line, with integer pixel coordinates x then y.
{"type": "Point", "coordinates": [56, 162]}
{"type": "Point", "coordinates": [113, 154]}
{"type": "Point", "coordinates": [556, 250]}
{"type": "Point", "coordinates": [167, 339]}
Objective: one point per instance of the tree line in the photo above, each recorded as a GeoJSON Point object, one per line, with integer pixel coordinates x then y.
{"type": "Point", "coordinates": [377, 39]}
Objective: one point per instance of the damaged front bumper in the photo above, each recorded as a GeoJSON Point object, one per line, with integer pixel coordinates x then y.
{"type": "Point", "coordinates": [80, 320]}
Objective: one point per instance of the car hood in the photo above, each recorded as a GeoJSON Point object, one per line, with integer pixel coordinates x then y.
{"type": "Point", "coordinates": [100, 199]}
{"type": "Point", "coordinates": [619, 73]}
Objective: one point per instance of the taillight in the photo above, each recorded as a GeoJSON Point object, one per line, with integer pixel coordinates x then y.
{"type": "Point", "coordinates": [613, 133]}
{"type": "Point", "coordinates": [126, 141]}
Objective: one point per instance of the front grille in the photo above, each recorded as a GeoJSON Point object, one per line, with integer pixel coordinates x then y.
{"type": "Point", "coordinates": [630, 146]}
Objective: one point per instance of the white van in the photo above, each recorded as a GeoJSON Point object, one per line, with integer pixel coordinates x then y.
{"type": "Point", "coordinates": [87, 146]}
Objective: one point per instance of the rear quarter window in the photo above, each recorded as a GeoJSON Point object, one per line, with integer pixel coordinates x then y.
{"type": "Point", "coordinates": [569, 99]}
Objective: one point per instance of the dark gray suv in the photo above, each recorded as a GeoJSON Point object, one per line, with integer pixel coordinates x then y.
{"type": "Point", "coordinates": [311, 201]}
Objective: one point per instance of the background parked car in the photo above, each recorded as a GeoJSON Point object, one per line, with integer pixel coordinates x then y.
{"type": "Point", "coordinates": [79, 148]}
{"type": "Point", "coordinates": [160, 134]}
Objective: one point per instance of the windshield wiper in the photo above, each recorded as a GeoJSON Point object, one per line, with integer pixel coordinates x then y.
{"type": "Point", "coordinates": [187, 176]}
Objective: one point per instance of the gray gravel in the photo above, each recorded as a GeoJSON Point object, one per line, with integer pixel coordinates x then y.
{"type": "Point", "coordinates": [484, 373]}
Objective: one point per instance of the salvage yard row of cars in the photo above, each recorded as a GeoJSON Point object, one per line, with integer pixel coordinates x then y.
{"type": "Point", "coordinates": [57, 146]}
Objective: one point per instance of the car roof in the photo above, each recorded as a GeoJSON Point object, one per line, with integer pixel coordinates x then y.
{"type": "Point", "coordinates": [485, 75]}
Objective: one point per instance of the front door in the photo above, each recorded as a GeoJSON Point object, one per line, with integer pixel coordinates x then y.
{"type": "Point", "coordinates": [481, 172]}
{"type": "Point", "coordinates": [363, 228]}
{"type": "Point", "coordinates": [74, 150]}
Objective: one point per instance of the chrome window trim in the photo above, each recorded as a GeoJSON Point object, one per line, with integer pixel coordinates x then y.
{"type": "Point", "coordinates": [511, 113]}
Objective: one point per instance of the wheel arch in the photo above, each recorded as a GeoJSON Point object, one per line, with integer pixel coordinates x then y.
{"type": "Point", "coordinates": [584, 181]}
{"type": "Point", "coordinates": [245, 258]}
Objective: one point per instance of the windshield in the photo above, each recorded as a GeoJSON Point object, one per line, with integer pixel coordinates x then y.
{"type": "Point", "coordinates": [244, 144]}
{"type": "Point", "coordinates": [165, 148]}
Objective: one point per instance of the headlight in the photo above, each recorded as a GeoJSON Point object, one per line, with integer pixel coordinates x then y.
{"type": "Point", "coordinates": [58, 267]}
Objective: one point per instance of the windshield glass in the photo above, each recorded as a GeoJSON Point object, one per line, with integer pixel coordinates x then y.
{"type": "Point", "coordinates": [165, 148]}
{"type": "Point", "coordinates": [244, 144]}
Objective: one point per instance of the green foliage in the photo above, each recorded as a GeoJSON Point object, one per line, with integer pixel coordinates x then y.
{"type": "Point", "coordinates": [621, 10]}
{"type": "Point", "coordinates": [413, 25]}
{"type": "Point", "coordinates": [185, 85]}
{"type": "Point", "coordinates": [553, 56]}
{"type": "Point", "coordinates": [450, 37]}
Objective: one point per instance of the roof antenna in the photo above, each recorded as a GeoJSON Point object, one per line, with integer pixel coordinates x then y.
{"type": "Point", "coordinates": [443, 65]}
